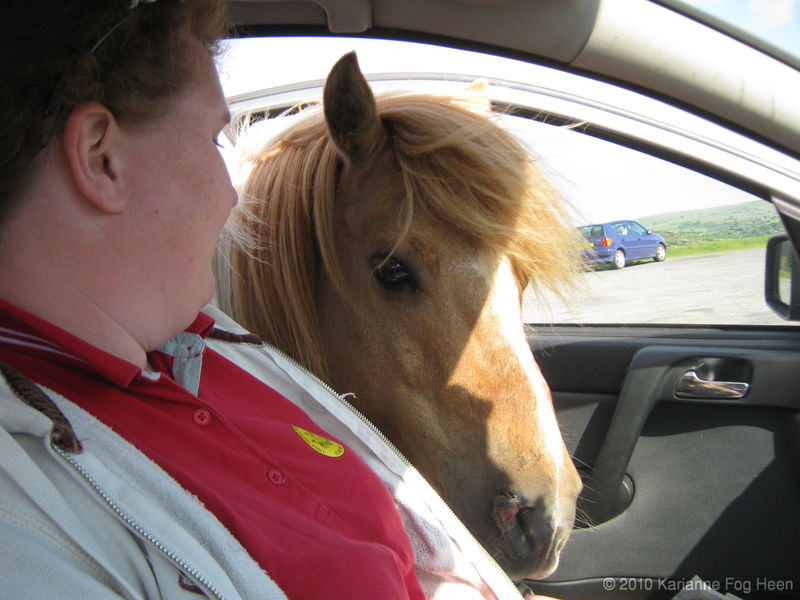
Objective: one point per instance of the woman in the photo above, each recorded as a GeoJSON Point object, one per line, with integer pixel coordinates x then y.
{"type": "Point", "coordinates": [171, 469]}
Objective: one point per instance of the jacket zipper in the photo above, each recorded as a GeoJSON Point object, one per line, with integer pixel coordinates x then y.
{"type": "Point", "coordinates": [134, 526]}
{"type": "Point", "coordinates": [342, 398]}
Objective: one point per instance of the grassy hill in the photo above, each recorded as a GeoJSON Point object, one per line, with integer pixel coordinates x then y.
{"type": "Point", "coordinates": [755, 219]}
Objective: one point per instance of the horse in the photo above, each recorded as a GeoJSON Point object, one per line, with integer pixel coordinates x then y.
{"type": "Point", "coordinates": [390, 243]}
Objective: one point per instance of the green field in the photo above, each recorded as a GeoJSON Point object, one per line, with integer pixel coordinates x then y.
{"type": "Point", "coordinates": [719, 229]}
{"type": "Point", "coordinates": [711, 246]}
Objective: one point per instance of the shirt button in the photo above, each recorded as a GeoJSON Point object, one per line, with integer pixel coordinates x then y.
{"type": "Point", "coordinates": [202, 417]}
{"type": "Point", "coordinates": [275, 476]}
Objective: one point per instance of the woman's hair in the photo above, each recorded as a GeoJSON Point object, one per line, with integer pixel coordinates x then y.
{"type": "Point", "coordinates": [129, 56]}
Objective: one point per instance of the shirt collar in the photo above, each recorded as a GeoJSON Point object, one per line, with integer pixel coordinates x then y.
{"type": "Point", "coordinates": [31, 334]}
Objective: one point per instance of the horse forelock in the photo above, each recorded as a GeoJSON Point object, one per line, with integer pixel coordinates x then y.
{"type": "Point", "coordinates": [463, 168]}
{"type": "Point", "coordinates": [456, 165]}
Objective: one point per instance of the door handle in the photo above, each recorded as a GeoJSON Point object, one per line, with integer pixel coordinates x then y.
{"type": "Point", "coordinates": [691, 385]}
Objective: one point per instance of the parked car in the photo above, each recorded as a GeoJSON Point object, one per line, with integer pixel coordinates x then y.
{"type": "Point", "coordinates": [620, 242]}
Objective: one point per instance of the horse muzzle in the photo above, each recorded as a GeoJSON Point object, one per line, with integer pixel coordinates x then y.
{"type": "Point", "coordinates": [531, 536]}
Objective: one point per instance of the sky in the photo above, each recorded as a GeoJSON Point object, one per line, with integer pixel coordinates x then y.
{"type": "Point", "coordinates": [601, 181]}
{"type": "Point", "coordinates": [776, 21]}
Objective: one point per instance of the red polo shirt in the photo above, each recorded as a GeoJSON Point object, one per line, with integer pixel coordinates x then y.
{"type": "Point", "coordinates": [315, 518]}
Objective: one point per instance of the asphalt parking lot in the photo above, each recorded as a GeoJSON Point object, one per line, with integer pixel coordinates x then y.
{"type": "Point", "coordinates": [719, 289]}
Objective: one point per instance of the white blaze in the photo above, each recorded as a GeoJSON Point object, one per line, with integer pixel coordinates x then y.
{"type": "Point", "coordinates": [505, 307]}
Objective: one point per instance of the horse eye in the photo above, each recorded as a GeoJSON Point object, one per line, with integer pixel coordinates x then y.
{"type": "Point", "coordinates": [393, 276]}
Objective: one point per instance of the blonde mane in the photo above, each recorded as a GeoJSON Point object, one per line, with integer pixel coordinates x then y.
{"type": "Point", "coordinates": [456, 164]}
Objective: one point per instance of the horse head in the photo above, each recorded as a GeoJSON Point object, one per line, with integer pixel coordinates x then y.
{"type": "Point", "coordinates": [417, 222]}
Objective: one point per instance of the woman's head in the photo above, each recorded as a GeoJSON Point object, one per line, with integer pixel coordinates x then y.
{"type": "Point", "coordinates": [125, 55]}
{"type": "Point", "coordinates": [112, 187]}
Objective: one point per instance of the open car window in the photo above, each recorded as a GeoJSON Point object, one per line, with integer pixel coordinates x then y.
{"type": "Point", "coordinates": [714, 235]}
{"type": "Point", "coordinates": [663, 243]}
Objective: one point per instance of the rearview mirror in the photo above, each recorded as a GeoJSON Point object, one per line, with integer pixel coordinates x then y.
{"type": "Point", "coordinates": [782, 281]}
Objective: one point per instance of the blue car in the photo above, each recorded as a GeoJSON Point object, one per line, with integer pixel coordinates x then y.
{"type": "Point", "coordinates": [619, 242]}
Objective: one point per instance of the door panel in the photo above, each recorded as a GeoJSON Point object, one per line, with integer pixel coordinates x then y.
{"type": "Point", "coordinates": [715, 483]}
{"type": "Point", "coordinates": [645, 243]}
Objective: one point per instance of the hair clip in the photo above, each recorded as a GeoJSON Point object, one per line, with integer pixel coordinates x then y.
{"type": "Point", "coordinates": [135, 3]}
{"type": "Point", "coordinates": [54, 104]}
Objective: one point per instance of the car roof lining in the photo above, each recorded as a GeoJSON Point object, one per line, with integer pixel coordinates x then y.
{"type": "Point", "coordinates": [600, 38]}
{"type": "Point", "coordinates": [555, 29]}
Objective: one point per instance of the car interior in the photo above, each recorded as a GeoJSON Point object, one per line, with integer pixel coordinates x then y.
{"type": "Point", "coordinates": [685, 427]}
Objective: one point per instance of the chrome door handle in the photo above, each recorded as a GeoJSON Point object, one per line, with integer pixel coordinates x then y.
{"type": "Point", "coordinates": [690, 385]}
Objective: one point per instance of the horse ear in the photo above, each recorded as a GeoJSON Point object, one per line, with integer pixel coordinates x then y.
{"type": "Point", "coordinates": [350, 111]}
{"type": "Point", "coordinates": [475, 97]}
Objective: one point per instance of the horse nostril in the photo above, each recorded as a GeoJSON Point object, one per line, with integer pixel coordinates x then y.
{"type": "Point", "coordinates": [505, 509]}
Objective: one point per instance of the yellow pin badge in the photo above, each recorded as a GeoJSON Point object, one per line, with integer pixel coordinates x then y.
{"type": "Point", "coordinates": [319, 443]}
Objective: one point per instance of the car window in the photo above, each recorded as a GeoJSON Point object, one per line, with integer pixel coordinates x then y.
{"type": "Point", "coordinates": [703, 263]}
{"type": "Point", "coordinates": [714, 237]}
{"type": "Point", "coordinates": [638, 229]}
{"type": "Point", "coordinates": [621, 228]}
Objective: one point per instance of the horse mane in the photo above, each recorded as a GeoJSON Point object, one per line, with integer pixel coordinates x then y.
{"type": "Point", "coordinates": [456, 164]}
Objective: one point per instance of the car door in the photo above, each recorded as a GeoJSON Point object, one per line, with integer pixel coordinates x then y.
{"type": "Point", "coordinates": [644, 242]}
{"type": "Point", "coordinates": [700, 483]}
{"type": "Point", "coordinates": [624, 240]}
{"type": "Point", "coordinates": [628, 240]}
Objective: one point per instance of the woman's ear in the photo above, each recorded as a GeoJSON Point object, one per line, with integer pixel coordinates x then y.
{"type": "Point", "coordinates": [91, 138]}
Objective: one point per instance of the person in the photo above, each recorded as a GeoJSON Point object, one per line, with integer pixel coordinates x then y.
{"type": "Point", "coordinates": [149, 447]}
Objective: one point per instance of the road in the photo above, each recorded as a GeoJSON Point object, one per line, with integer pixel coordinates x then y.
{"type": "Point", "coordinates": [724, 288]}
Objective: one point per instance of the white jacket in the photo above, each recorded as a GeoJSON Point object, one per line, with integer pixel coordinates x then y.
{"type": "Point", "coordinates": [109, 523]}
